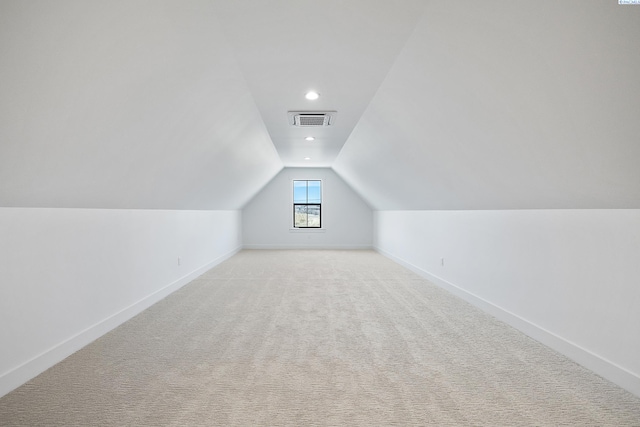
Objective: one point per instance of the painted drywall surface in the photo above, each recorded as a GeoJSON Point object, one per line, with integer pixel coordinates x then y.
{"type": "Point", "coordinates": [505, 105]}
{"type": "Point", "coordinates": [267, 220]}
{"type": "Point", "coordinates": [66, 272]}
{"type": "Point", "coordinates": [125, 105]}
{"type": "Point", "coordinates": [572, 273]}
{"type": "Point", "coordinates": [343, 49]}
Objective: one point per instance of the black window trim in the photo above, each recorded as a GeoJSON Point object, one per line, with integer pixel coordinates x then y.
{"type": "Point", "coordinates": [319, 205]}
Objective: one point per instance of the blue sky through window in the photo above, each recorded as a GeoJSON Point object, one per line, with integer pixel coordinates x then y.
{"type": "Point", "coordinates": [307, 192]}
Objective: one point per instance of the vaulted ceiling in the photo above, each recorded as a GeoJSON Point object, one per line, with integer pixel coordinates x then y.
{"type": "Point", "coordinates": [342, 49]}
{"type": "Point", "coordinates": [506, 105]}
{"type": "Point", "coordinates": [440, 105]}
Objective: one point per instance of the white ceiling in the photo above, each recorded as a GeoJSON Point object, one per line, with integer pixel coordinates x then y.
{"type": "Point", "coordinates": [341, 49]}
{"type": "Point", "coordinates": [441, 105]}
{"type": "Point", "coordinates": [125, 104]}
{"type": "Point", "coordinates": [506, 105]}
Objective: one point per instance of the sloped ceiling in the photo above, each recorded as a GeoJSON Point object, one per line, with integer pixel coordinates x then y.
{"type": "Point", "coordinates": [441, 105]}
{"type": "Point", "coordinates": [125, 104]}
{"type": "Point", "coordinates": [506, 105]}
{"type": "Point", "coordinates": [342, 49]}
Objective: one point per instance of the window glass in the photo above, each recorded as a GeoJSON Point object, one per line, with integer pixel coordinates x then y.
{"type": "Point", "coordinates": [307, 204]}
{"type": "Point", "coordinates": [314, 193]}
{"type": "Point", "coordinates": [299, 191]}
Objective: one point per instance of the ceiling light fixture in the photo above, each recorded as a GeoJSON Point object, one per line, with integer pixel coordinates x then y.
{"type": "Point", "coordinates": [309, 138]}
{"type": "Point", "coordinates": [312, 96]}
{"type": "Point", "coordinates": [307, 158]}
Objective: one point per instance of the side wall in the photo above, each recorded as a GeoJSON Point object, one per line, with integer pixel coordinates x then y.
{"type": "Point", "coordinates": [267, 220]}
{"type": "Point", "coordinates": [71, 275]}
{"type": "Point", "coordinates": [568, 278]}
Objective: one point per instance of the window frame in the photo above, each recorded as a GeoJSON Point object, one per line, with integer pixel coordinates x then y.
{"type": "Point", "coordinates": [294, 205]}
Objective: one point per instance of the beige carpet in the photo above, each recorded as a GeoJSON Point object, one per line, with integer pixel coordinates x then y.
{"type": "Point", "coordinates": [316, 338]}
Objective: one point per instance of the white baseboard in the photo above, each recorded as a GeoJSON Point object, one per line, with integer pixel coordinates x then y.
{"type": "Point", "coordinates": [338, 247]}
{"type": "Point", "coordinates": [601, 366]}
{"type": "Point", "coordinates": [30, 369]}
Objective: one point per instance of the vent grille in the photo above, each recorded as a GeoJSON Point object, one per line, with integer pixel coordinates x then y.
{"type": "Point", "coordinates": [311, 118]}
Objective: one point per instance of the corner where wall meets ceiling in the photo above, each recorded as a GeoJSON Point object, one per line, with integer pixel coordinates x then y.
{"type": "Point", "coordinates": [341, 50]}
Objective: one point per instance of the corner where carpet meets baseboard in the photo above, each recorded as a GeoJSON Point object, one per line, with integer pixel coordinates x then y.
{"type": "Point", "coordinates": [601, 366]}
{"type": "Point", "coordinates": [16, 377]}
{"type": "Point", "coordinates": [334, 247]}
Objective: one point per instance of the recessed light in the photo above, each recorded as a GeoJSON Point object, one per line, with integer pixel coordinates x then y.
{"type": "Point", "coordinates": [307, 158]}
{"type": "Point", "coordinates": [311, 96]}
{"type": "Point", "coordinates": [309, 138]}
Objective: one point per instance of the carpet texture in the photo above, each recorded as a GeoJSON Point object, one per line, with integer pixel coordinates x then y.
{"type": "Point", "coordinates": [316, 338]}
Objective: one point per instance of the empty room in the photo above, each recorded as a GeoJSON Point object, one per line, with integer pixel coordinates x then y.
{"type": "Point", "coordinates": [339, 213]}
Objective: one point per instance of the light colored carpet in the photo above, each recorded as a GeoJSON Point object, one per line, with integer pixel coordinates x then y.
{"type": "Point", "coordinates": [316, 338]}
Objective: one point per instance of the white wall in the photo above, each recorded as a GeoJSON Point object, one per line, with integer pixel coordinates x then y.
{"type": "Point", "coordinates": [347, 221]}
{"type": "Point", "coordinates": [568, 278]}
{"type": "Point", "coordinates": [70, 275]}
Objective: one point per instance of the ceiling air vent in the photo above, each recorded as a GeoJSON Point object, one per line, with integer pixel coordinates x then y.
{"type": "Point", "coordinates": [311, 118]}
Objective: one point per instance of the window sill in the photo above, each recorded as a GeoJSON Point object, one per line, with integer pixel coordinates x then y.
{"type": "Point", "coordinates": [307, 230]}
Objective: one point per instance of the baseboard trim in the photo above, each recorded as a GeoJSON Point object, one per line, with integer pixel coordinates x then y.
{"type": "Point", "coordinates": [267, 246]}
{"type": "Point", "coordinates": [601, 366]}
{"type": "Point", "coordinates": [30, 369]}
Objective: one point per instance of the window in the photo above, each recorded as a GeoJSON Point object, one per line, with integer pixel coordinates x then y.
{"type": "Point", "coordinates": [307, 204]}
